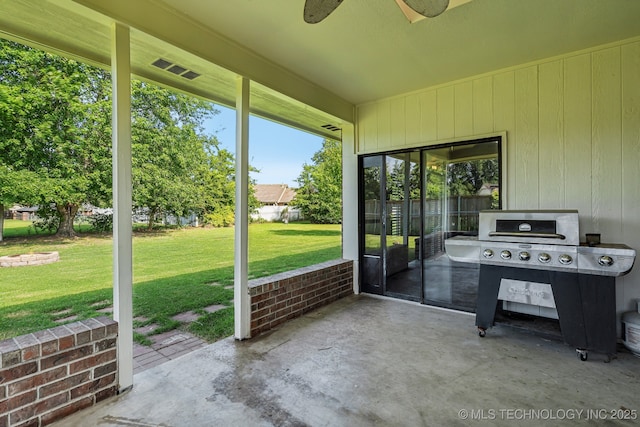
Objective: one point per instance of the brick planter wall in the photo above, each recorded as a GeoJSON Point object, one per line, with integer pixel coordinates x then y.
{"type": "Point", "coordinates": [50, 374]}
{"type": "Point", "coordinates": [281, 297]}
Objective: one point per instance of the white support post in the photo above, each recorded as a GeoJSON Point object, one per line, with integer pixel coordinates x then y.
{"type": "Point", "coordinates": [242, 299]}
{"type": "Point", "coordinates": [350, 200]}
{"type": "Point", "coordinates": [122, 247]}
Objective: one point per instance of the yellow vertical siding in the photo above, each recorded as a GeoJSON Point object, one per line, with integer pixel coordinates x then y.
{"type": "Point", "coordinates": [573, 132]}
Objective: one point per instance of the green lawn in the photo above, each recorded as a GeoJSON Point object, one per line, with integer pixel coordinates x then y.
{"type": "Point", "coordinates": [174, 271]}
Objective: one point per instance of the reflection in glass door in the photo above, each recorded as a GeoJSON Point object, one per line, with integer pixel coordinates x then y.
{"type": "Point", "coordinates": [459, 181]}
{"type": "Point", "coordinates": [403, 273]}
{"type": "Point", "coordinates": [372, 225]}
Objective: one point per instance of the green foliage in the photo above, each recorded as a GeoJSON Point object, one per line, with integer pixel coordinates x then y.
{"type": "Point", "coordinates": [48, 222]}
{"type": "Point", "coordinates": [320, 194]}
{"type": "Point", "coordinates": [214, 326]}
{"type": "Point", "coordinates": [101, 222]}
{"type": "Point", "coordinates": [55, 114]}
{"type": "Point", "coordinates": [222, 216]}
{"type": "Point", "coordinates": [466, 178]}
{"type": "Point", "coordinates": [55, 142]}
{"type": "Point", "coordinates": [170, 153]}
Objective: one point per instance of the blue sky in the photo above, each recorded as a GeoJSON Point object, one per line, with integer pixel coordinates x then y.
{"type": "Point", "coordinates": [277, 151]}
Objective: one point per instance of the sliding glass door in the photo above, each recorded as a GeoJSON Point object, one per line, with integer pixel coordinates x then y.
{"type": "Point", "coordinates": [410, 203]}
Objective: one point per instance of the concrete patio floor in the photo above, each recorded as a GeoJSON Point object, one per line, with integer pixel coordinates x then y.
{"type": "Point", "coordinates": [366, 361]}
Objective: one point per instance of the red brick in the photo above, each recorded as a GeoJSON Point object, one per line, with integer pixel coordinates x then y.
{"type": "Point", "coordinates": [105, 369]}
{"type": "Point", "coordinates": [81, 332]}
{"type": "Point", "coordinates": [91, 362]}
{"type": "Point", "coordinates": [260, 313]}
{"type": "Point", "coordinates": [8, 345]}
{"type": "Point", "coordinates": [283, 297]}
{"type": "Point", "coordinates": [4, 420]}
{"type": "Point", "coordinates": [105, 344]}
{"type": "Point", "coordinates": [93, 386]}
{"type": "Point", "coordinates": [279, 306]}
{"type": "Point", "coordinates": [48, 342]}
{"type": "Point", "coordinates": [38, 408]}
{"type": "Point", "coordinates": [266, 303]}
{"type": "Point", "coordinates": [3, 392]}
{"type": "Point", "coordinates": [98, 330]}
{"type": "Point", "coordinates": [10, 358]}
{"type": "Point", "coordinates": [64, 384]}
{"type": "Point", "coordinates": [16, 372]}
{"type": "Point", "coordinates": [65, 357]}
{"type": "Point", "coordinates": [258, 298]}
{"type": "Point", "coordinates": [29, 346]}
{"type": "Point", "coordinates": [17, 401]}
{"type": "Point", "coordinates": [36, 380]}
{"type": "Point", "coordinates": [112, 329]}
{"type": "Point", "coordinates": [65, 337]}
{"type": "Point", "coordinates": [106, 393]}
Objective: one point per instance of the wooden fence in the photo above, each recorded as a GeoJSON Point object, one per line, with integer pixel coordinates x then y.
{"type": "Point", "coordinates": [459, 212]}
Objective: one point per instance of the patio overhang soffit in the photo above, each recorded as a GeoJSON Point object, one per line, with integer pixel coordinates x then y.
{"type": "Point", "coordinates": [73, 30]}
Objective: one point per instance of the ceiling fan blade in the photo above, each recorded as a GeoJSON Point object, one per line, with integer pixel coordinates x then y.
{"type": "Point", "coordinates": [316, 10]}
{"type": "Point", "coordinates": [428, 8]}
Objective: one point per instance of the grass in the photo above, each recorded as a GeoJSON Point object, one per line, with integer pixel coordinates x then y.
{"type": "Point", "coordinates": [174, 271]}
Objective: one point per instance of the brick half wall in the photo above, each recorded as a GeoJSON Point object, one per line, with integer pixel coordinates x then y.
{"type": "Point", "coordinates": [284, 296]}
{"type": "Point", "coordinates": [50, 374]}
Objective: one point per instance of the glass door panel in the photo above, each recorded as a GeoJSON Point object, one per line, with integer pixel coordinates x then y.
{"type": "Point", "coordinates": [403, 272]}
{"type": "Point", "coordinates": [372, 216]}
{"type": "Point", "coordinates": [459, 181]}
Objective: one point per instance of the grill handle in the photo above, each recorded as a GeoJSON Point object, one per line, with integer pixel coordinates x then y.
{"type": "Point", "coordinates": [534, 235]}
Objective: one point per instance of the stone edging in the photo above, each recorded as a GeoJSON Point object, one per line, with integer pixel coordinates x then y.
{"type": "Point", "coordinates": [37, 258]}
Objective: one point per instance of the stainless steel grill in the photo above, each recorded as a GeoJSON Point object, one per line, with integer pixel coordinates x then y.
{"type": "Point", "coordinates": [544, 240]}
{"type": "Point", "coordinates": [534, 263]}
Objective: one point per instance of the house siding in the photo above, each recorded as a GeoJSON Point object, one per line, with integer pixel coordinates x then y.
{"type": "Point", "coordinates": [572, 135]}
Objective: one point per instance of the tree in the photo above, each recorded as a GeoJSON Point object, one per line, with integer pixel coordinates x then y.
{"type": "Point", "coordinates": [168, 149]}
{"type": "Point", "coordinates": [56, 129]}
{"type": "Point", "coordinates": [466, 178]}
{"type": "Point", "coordinates": [15, 185]}
{"type": "Point", "coordinates": [320, 194]}
{"type": "Point", "coordinates": [55, 115]}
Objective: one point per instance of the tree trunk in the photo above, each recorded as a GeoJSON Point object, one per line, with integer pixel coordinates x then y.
{"type": "Point", "coordinates": [67, 214]}
{"type": "Point", "coordinates": [1, 221]}
{"type": "Point", "coordinates": [152, 218]}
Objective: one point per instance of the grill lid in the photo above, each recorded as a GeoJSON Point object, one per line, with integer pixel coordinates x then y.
{"type": "Point", "coordinates": [559, 227]}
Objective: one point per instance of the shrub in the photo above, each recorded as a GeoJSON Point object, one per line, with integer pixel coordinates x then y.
{"type": "Point", "coordinates": [221, 217]}
{"type": "Point", "coordinates": [101, 222]}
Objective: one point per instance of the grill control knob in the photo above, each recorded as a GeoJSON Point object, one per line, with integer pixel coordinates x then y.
{"type": "Point", "coordinates": [544, 257]}
{"type": "Point", "coordinates": [565, 259]}
{"type": "Point", "coordinates": [524, 256]}
{"type": "Point", "coordinates": [605, 261]}
{"type": "Point", "coordinates": [488, 253]}
{"type": "Point", "coordinates": [505, 254]}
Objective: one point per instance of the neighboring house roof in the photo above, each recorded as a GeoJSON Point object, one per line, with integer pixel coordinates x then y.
{"type": "Point", "coordinates": [29, 209]}
{"type": "Point", "coordinates": [274, 194]}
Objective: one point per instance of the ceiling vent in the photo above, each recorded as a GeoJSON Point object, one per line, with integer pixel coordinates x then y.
{"type": "Point", "coordinates": [176, 69]}
{"type": "Point", "coordinates": [331, 128]}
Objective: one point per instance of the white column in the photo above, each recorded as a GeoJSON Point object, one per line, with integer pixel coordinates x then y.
{"type": "Point", "coordinates": [122, 248]}
{"type": "Point", "coordinates": [241, 297]}
{"type": "Point", "coordinates": [350, 200]}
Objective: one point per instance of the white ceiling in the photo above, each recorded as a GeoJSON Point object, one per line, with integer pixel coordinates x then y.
{"type": "Point", "coordinates": [309, 75]}
{"type": "Point", "coordinates": [367, 50]}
